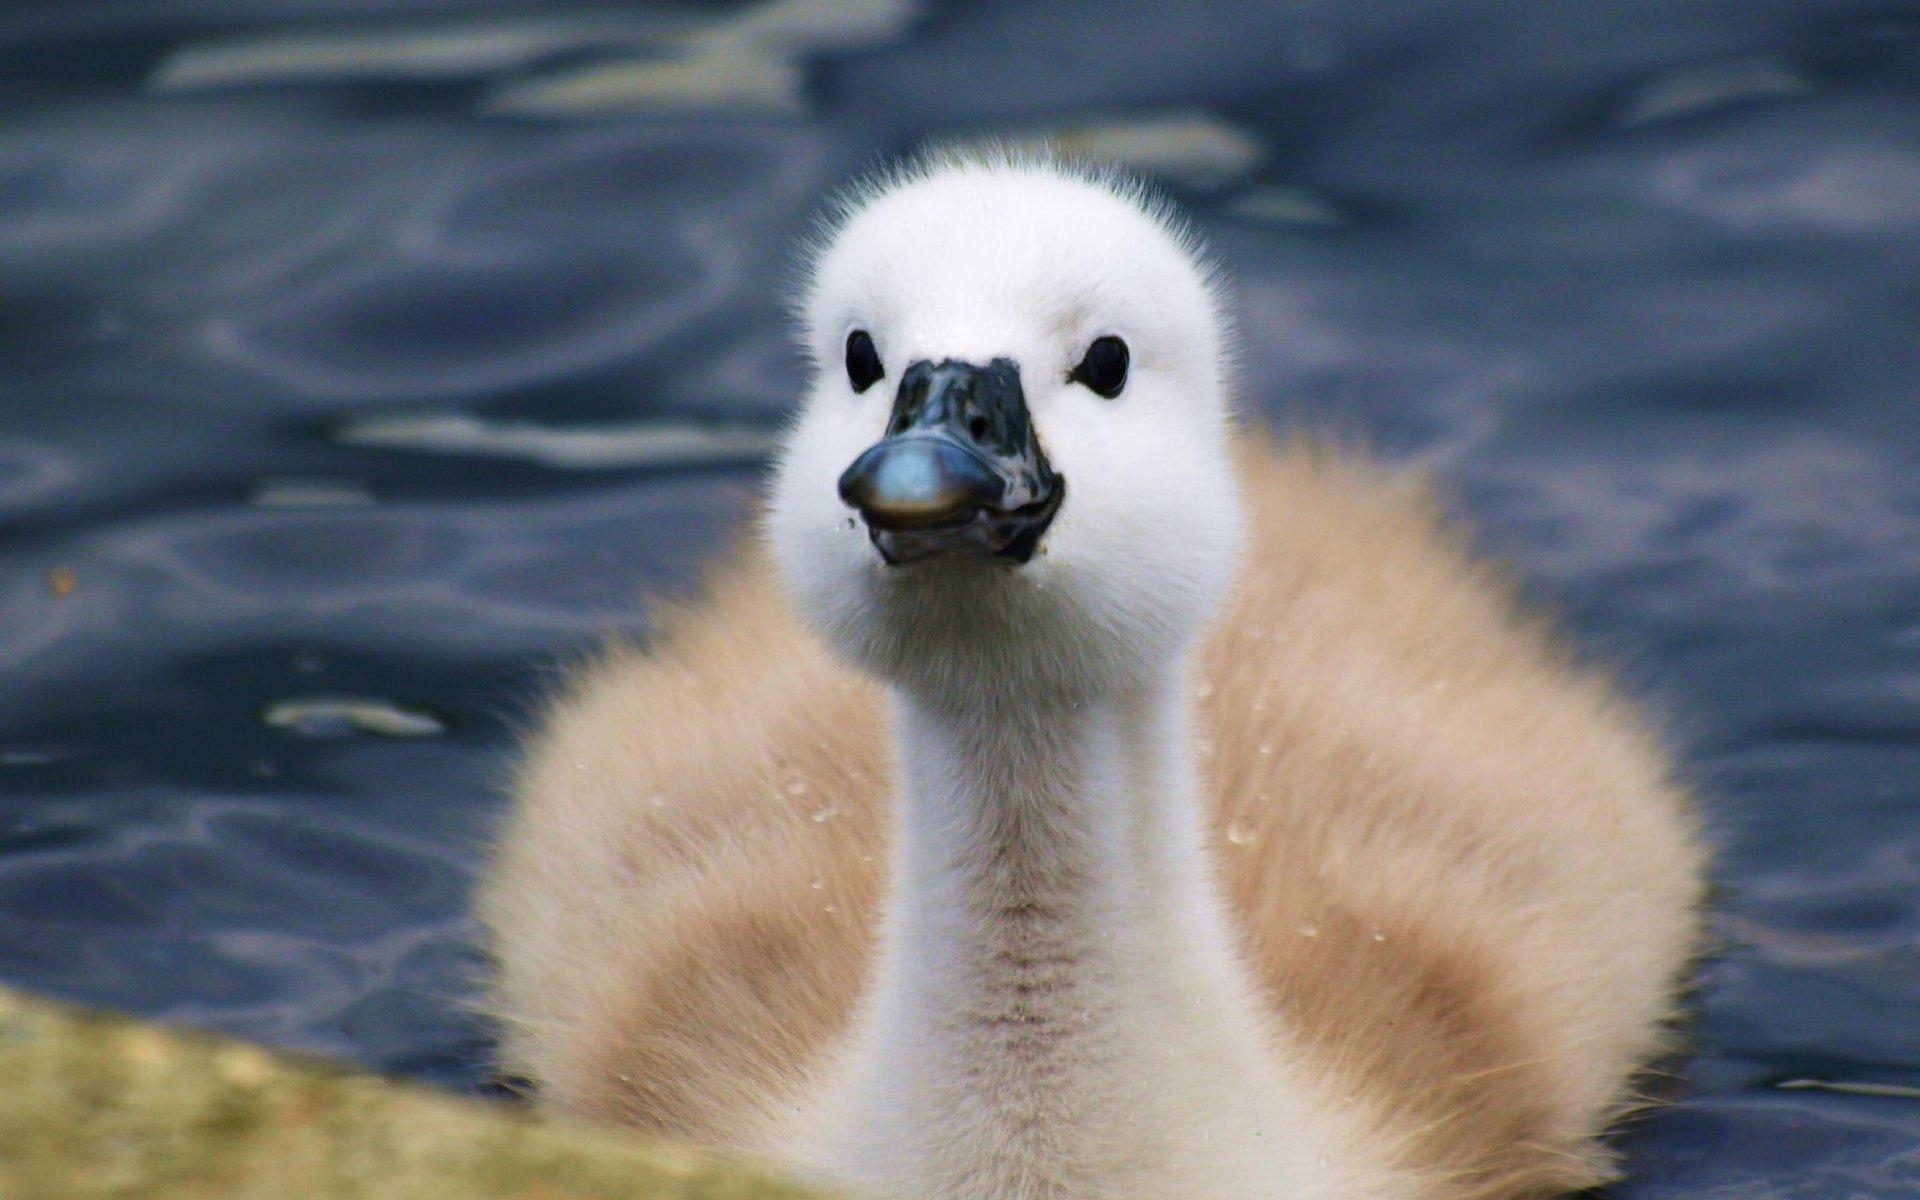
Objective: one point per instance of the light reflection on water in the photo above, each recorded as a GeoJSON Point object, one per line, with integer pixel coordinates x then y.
{"type": "Point", "coordinates": [361, 361]}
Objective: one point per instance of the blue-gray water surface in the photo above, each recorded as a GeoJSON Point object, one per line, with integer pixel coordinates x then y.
{"type": "Point", "coordinates": [359, 361]}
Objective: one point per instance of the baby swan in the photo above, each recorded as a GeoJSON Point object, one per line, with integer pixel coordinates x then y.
{"type": "Point", "coordinates": [1088, 799]}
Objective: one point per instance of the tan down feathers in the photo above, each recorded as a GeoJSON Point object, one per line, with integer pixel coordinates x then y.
{"type": "Point", "coordinates": [1458, 864]}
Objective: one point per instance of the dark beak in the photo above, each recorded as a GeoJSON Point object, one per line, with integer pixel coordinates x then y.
{"type": "Point", "coordinates": [959, 468]}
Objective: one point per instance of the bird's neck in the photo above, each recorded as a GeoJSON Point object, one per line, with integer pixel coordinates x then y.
{"type": "Point", "coordinates": [1057, 965]}
{"type": "Point", "coordinates": [1043, 845]}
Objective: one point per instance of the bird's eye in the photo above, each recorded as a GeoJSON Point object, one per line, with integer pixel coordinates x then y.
{"type": "Point", "coordinates": [1104, 369]}
{"type": "Point", "coordinates": [863, 361]}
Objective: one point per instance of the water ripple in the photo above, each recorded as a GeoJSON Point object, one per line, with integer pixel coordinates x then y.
{"type": "Point", "coordinates": [647, 444]}
{"type": "Point", "coordinates": [1708, 88]}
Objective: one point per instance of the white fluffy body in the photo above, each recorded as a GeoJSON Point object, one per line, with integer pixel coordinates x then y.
{"type": "Point", "coordinates": [1061, 1012]}
{"type": "Point", "coordinates": [1247, 841]}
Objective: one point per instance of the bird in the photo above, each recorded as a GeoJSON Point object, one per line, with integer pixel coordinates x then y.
{"type": "Point", "coordinates": [1068, 788]}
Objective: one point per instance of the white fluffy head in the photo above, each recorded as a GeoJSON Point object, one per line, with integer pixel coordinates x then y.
{"type": "Point", "coordinates": [985, 257]}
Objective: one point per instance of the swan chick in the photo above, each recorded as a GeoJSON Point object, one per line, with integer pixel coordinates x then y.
{"type": "Point", "coordinates": [1075, 795]}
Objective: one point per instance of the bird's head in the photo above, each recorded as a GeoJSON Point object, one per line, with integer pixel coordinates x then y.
{"type": "Point", "coordinates": [1011, 468]}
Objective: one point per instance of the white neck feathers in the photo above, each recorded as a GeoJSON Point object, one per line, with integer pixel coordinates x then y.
{"type": "Point", "coordinates": [1061, 1012]}
{"type": "Point", "coordinates": [1051, 860]}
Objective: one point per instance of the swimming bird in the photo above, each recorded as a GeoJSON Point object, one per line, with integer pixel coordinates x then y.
{"type": "Point", "coordinates": [1072, 792]}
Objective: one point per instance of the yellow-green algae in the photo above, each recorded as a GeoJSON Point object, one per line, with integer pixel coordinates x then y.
{"type": "Point", "coordinates": [96, 1107]}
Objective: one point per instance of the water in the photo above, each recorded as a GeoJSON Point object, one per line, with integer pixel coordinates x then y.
{"type": "Point", "coordinates": [360, 361]}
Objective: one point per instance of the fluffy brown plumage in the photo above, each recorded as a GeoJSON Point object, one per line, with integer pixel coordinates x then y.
{"type": "Point", "coordinates": [1456, 861]}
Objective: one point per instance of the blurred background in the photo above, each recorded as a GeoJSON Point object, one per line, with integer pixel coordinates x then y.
{"type": "Point", "coordinates": [361, 361]}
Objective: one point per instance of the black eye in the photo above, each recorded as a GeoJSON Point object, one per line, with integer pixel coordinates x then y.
{"type": "Point", "coordinates": [1104, 369]}
{"type": "Point", "coordinates": [863, 361]}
